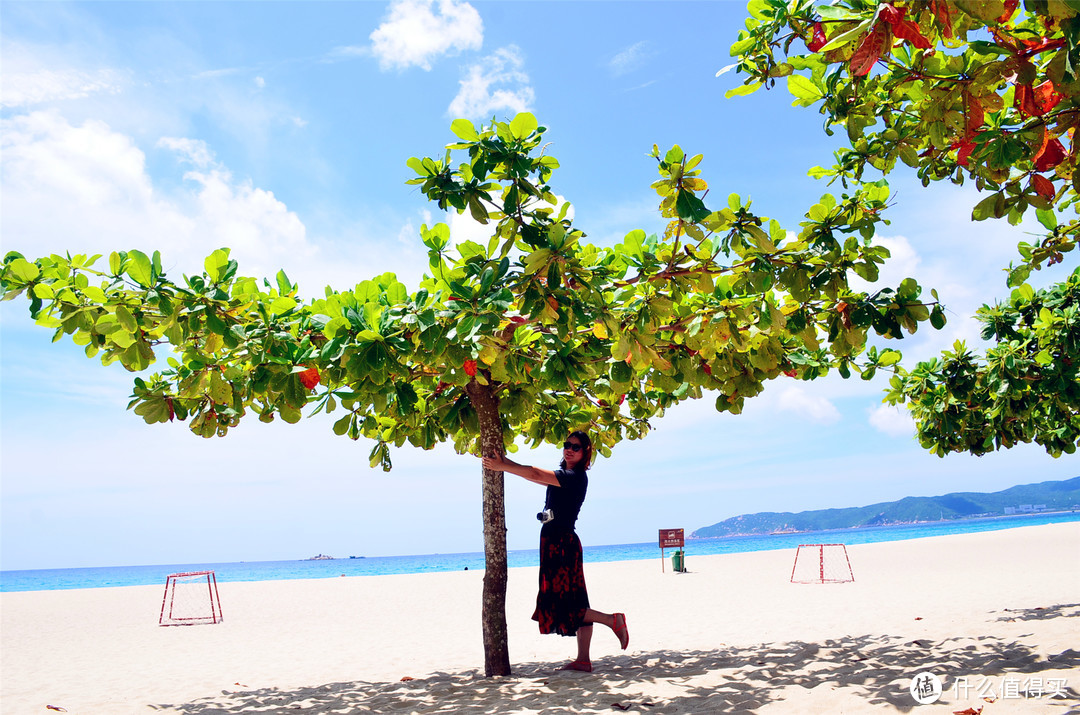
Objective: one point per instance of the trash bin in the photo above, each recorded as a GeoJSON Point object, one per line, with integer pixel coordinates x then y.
{"type": "Point", "coordinates": [678, 563]}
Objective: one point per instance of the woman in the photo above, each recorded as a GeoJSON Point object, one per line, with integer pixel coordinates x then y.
{"type": "Point", "coordinates": [562, 605]}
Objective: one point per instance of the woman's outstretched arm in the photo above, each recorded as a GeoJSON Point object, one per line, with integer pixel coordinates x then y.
{"type": "Point", "coordinates": [533, 474]}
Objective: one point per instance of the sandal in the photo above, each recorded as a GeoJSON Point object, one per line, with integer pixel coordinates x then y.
{"type": "Point", "coordinates": [620, 630]}
{"type": "Point", "coordinates": [583, 665]}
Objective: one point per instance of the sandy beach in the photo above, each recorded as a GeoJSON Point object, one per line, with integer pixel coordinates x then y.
{"type": "Point", "coordinates": [995, 615]}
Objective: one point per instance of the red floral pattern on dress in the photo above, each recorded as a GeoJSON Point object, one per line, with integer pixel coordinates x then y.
{"type": "Point", "coordinates": [563, 599]}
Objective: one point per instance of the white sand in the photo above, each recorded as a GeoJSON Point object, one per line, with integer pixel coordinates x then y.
{"type": "Point", "coordinates": [1001, 609]}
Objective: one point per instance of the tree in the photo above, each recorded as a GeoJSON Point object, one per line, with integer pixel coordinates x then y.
{"type": "Point", "coordinates": [984, 91]}
{"type": "Point", "coordinates": [527, 337]}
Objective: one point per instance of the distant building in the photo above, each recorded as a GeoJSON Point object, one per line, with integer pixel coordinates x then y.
{"type": "Point", "coordinates": [1010, 510]}
{"type": "Point", "coordinates": [1025, 509]}
{"type": "Point", "coordinates": [1039, 507]}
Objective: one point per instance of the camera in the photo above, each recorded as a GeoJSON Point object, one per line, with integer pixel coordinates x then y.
{"type": "Point", "coordinates": [545, 516]}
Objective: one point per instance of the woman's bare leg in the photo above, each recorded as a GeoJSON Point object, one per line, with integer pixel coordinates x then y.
{"type": "Point", "coordinates": [584, 639]}
{"type": "Point", "coordinates": [584, 634]}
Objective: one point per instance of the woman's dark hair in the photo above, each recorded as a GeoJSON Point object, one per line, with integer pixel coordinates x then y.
{"type": "Point", "coordinates": [586, 449]}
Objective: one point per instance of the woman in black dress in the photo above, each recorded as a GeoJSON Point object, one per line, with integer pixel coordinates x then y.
{"type": "Point", "coordinates": [562, 605]}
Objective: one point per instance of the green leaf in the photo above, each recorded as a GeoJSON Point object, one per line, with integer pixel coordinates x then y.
{"type": "Point", "coordinates": [804, 89]}
{"type": "Point", "coordinates": [126, 319]}
{"type": "Point", "coordinates": [220, 389]}
{"type": "Point", "coordinates": [986, 10]}
{"type": "Point", "coordinates": [742, 90]}
{"type": "Point", "coordinates": [985, 208]}
{"type": "Point", "coordinates": [937, 318]}
{"type": "Point", "coordinates": [282, 305]}
{"type": "Point", "coordinates": [463, 129]}
{"type": "Point", "coordinates": [283, 284]}
{"type": "Point", "coordinates": [138, 267]}
{"type": "Point", "coordinates": [634, 242]}
{"type": "Point", "coordinates": [1047, 218]}
{"type": "Point", "coordinates": [397, 293]}
{"type": "Point", "coordinates": [214, 263]}
{"type": "Point", "coordinates": [845, 38]}
{"type": "Point", "coordinates": [114, 263]}
{"type": "Point", "coordinates": [888, 357]}
{"type": "Point", "coordinates": [523, 125]}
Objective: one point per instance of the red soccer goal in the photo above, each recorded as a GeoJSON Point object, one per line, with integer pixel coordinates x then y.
{"type": "Point", "coordinates": [190, 598]}
{"type": "Point", "coordinates": [821, 563]}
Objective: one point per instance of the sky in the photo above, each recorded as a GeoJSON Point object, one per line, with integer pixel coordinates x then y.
{"type": "Point", "coordinates": [282, 130]}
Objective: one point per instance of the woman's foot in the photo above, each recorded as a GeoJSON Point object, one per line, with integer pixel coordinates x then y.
{"type": "Point", "coordinates": [583, 665]}
{"type": "Point", "coordinates": [620, 630]}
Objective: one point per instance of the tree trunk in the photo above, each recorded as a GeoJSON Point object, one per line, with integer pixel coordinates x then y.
{"type": "Point", "coordinates": [496, 650]}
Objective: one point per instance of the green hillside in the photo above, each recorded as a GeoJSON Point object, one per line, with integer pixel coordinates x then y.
{"type": "Point", "coordinates": [1045, 496]}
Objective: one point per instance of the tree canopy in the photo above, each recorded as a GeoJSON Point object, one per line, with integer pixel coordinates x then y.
{"type": "Point", "coordinates": [530, 336]}
{"type": "Point", "coordinates": [978, 91]}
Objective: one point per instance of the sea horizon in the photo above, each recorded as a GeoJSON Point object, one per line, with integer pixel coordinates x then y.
{"type": "Point", "coordinates": [336, 567]}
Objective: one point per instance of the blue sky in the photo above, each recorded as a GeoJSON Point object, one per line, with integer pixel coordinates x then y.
{"type": "Point", "coordinates": [282, 131]}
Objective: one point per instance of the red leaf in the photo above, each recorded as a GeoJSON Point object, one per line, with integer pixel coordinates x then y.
{"type": "Point", "coordinates": [1024, 100]}
{"type": "Point", "coordinates": [875, 44]}
{"type": "Point", "coordinates": [1036, 101]}
{"type": "Point", "coordinates": [1050, 154]}
{"type": "Point", "coordinates": [943, 15]}
{"type": "Point", "coordinates": [1046, 96]}
{"type": "Point", "coordinates": [1043, 186]}
{"type": "Point", "coordinates": [1010, 8]}
{"type": "Point", "coordinates": [904, 29]}
{"type": "Point", "coordinates": [310, 378]}
{"type": "Point", "coordinates": [470, 368]}
{"type": "Point", "coordinates": [818, 40]}
{"type": "Point", "coordinates": [1034, 47]}
{"type": "Point", "coordinates": [908, 30]}
{"type": "Point", "coordinates": [890, 13]}
{"type": "Point", "coordinates": [968, 711]}
{"type": "Point", "coordinates": [975, 116]}
{"type": "Point", "coordinates": [964, 150]}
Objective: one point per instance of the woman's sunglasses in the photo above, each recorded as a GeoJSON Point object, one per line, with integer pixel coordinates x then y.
{"type": "Point", "coordinates": [574, 446]}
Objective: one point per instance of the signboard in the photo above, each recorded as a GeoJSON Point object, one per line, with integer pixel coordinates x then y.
{"type": "Point", "coordinates": [671, 538]}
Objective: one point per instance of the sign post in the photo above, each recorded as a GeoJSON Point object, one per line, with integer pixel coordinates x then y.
{"type": "Point", "coordinates": [670, 538]}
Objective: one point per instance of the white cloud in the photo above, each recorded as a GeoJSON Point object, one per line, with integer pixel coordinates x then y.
{"type": "Point", "coordinates": [34, 75]}
{"type": "Point", "coordinates": [260, 82]}
{"type": "Point", "coordinates": [193, 151]}
{"type": "Point", "coordinates": [346, 52]}
{"type": "Point", "coordinates": [631, 58]}
{"type": "Point", "coordinates": [299, 122]}
{"type": "Point", "coordinates": [21, 90]}
{"type": "Point", "coordinates": [478, 96]}
{"type": "Point", "coordinates": [413, 34]}
{"type": "Point", "coordinates": [86, 189]}
{"type": "Point", "coordinates": [892, 421]}
{"type": "Point", "coordinates": [903, 262]}
{"type": "Point", "coordinates": [795, 399]}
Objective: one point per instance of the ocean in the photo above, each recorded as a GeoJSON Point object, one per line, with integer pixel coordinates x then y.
{"type": "Point", "coordinates": [100, 577]}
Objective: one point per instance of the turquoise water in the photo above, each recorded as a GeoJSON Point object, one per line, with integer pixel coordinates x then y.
{"type": "Point", "coordinates": [56, 579]}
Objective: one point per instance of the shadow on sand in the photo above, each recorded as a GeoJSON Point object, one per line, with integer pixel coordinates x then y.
{"type": "Point", "coordinates": [874, 669]}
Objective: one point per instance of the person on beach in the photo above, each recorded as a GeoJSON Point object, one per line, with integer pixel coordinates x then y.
{"type": "Point", "coordinates": [562, 605]}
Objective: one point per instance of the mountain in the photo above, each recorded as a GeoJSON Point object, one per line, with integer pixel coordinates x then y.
{"type": "Point", "coordinates": [1045, 496]}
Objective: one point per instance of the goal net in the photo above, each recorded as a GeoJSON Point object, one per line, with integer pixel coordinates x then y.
{"type": "Point", "coordinates": [190, 598]}
{"type": "Point", "coordinates": [821, 563]}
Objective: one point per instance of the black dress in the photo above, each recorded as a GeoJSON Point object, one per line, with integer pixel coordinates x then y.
{"type": "Point", "coordinates": [562, 600]}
